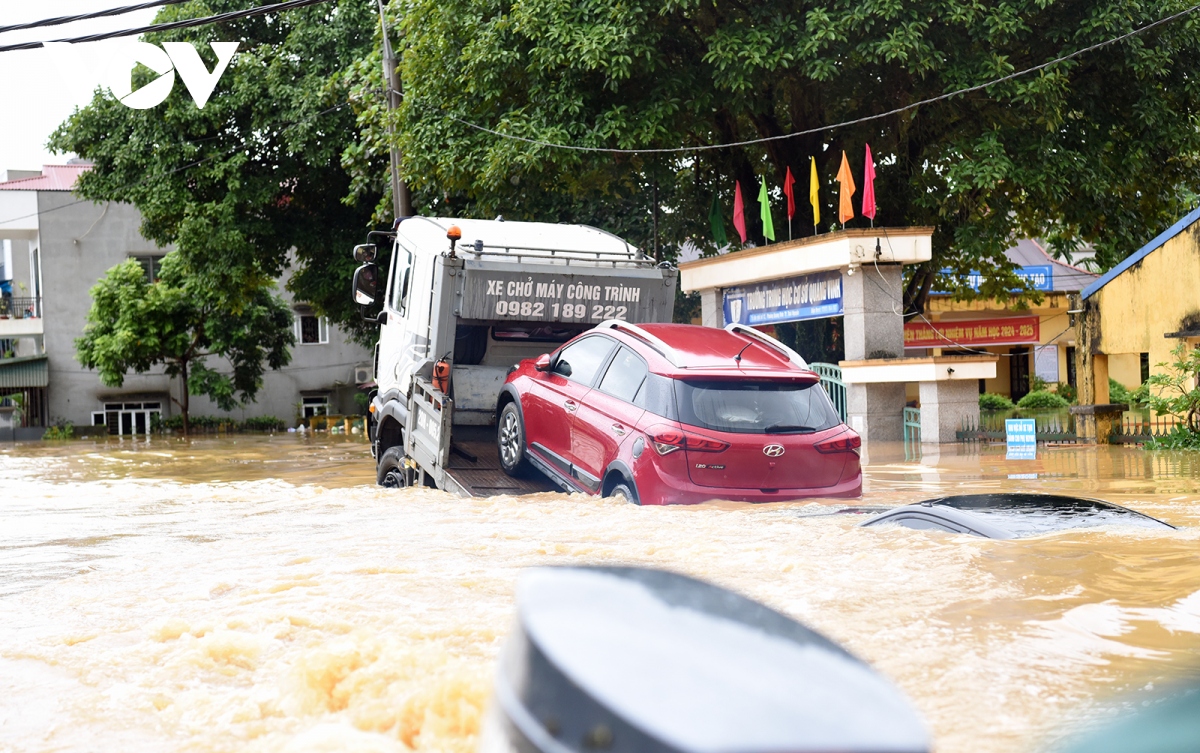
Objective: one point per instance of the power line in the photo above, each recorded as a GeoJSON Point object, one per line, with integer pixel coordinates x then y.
{"type": "Point", "coordinates": [843, 124]}
{"type": "Point", "coordinates": [184, 24]}
{"type": "Point", "coordinates": [58, 21]}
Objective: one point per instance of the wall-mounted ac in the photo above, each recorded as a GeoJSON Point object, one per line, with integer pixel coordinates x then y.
{"type": "Point", "coordinates": [362, 374]}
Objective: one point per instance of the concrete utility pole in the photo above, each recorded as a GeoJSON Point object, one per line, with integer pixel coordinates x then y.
{"type": "Point", "coordinates": [401, 202]}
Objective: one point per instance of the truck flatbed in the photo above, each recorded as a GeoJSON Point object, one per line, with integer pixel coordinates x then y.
{"type": "Point", "coordinates": [474, 467]}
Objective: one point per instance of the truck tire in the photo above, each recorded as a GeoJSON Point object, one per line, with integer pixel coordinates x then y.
{"type": "Point", "coordinates": [390, 472]}
{"type": "Point", "coordinates": [510, 441]}
{"type": "Point", "coordinates": [624, 491]}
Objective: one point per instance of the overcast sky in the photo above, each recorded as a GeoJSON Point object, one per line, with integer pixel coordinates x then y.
{"type": "Point", "coordinates": [34, 96]}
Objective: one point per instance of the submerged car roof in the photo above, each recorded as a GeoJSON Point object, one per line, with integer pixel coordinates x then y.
{"type": "Point", "coordinates": [1015, 515]}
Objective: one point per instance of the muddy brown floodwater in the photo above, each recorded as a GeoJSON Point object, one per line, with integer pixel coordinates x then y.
{"type": "Point", "coordinates": [261, 593]}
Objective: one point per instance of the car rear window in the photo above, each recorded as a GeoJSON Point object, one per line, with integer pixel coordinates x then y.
{"type": "Point", "coordinates": [755, 407]}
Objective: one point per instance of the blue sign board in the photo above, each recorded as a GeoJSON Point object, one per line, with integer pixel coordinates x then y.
{"type": "Point", "coordinates": [813, 296]}
{"type": "Point", "coordinates": [1020, 434]}
{"type": "Point", "coordinates": [1039, 276]}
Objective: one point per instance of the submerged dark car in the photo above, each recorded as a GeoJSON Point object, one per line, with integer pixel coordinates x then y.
{"type": "Point", "coordinates": [1012, 516]}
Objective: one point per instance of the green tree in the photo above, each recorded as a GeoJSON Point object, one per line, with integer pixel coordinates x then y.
{"type": "Point", "coordinates": [1176, 390]}
{"type": "Point", "coordinates": [177, 323]}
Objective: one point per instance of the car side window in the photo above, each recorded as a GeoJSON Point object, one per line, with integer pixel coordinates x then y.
{"type": "Point", "coordinates": [657, 395]}
{"type": "Point", "coordinates": [581, 360]}
{"type": "Point", "coordinates": [624, 375]}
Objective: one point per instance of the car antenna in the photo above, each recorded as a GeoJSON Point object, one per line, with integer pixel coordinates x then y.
{"type": "Point", "coordinates": [738, 357]}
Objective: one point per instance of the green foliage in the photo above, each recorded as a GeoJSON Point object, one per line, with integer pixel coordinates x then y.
{"type": "Point", "coordinates": [992, 401]}
{"type": "Point", "coordinates": [1042, 400]}
{"type": "Point", "coordinates": [264, 423]}
{"type": "Point", "coordinates": [1068, 392]}
{"type": "Point", "coordinates": [61, 430]}
{"type": "Point", "coordinates": [212, 423]}
{"type": "Point", "coordinates": [363, 401]}
{"type": "Point", "coordinates": [1180, 438]}
{"type": "Point", "coordinates": [1135, 398]}
{"type": "Point", "coordinates": [1178, 386]}
{"type": "Point", "coordinates": [177, 323]}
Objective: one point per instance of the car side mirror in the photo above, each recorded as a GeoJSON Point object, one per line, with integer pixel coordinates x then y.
{"type": "Point", "coordinates": [365, 253]}
{"type": "Point", "coordinates": [542, 363]}
{"type": "Point", "coordinates": [366, 284]}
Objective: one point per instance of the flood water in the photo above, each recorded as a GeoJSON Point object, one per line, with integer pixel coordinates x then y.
{"type": "Point", "coordinates": [260, 593]}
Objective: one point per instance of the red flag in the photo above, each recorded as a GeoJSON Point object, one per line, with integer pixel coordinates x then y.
{"type": "Point", "coordinates": [868, 205]}
{"type": "Point", "coordinates": [739, 211]}
{"type": "Point", "coordinates": [788, 191]}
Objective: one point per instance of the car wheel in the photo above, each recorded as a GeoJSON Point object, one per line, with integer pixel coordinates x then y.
{"type": "Point", "coordinates": [390, 472]}
{"type": "Point", "coordinates": [624, 491]}
{"type": "Point", "coordinates": [510, 440]}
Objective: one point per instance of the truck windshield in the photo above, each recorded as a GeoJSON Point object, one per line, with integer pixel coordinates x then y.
{"type": "Point", "coordinates": [755, 407]}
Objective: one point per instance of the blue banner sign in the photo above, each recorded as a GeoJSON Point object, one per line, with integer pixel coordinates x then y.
{"type": "Point", "coordinates": [1020, 434]}
{"type": "Point", "coordinates": [814, 296]}
{"type": "Point", "coordinates": [1039, 276]}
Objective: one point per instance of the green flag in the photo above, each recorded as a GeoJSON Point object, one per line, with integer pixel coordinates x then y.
{"type": "Point", "coordinates": [764, 208]}
{"type": "Point", "coordinates": [718, 223]}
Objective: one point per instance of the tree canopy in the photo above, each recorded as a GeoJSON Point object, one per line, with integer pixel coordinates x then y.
{"type": "Point", "coordinates": [1101, 149]}
{"type": "Point", "coordinates": [135, 324]}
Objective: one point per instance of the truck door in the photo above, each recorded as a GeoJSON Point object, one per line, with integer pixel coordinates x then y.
{"type": "Point", "coordinates": [555, 397]}
{"type": "Point", "coordinates": [607, 418]}
{"type": "Point", "coordinates": [396, 336]}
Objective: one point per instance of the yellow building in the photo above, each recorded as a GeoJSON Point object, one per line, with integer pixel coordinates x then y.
{"type": "Point", "coordinates": [1139, 311]}
{"type": "Point", "coordinates": [1034, 341]}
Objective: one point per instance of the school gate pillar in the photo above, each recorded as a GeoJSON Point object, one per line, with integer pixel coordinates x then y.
{"type": "Point", "coordinates": [874, 329]}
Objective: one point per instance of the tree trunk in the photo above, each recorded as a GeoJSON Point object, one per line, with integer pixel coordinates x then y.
{"type": "Point", "coordinates": [184, 402]}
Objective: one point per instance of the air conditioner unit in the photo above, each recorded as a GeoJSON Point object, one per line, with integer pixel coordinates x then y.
{"type": "Point", "coordinates": [362, 374]}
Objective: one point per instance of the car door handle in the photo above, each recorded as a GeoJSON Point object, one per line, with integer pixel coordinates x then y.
{"type": "Point", "coordinates": [618, 430]}
{"type": "Point", "coordinates": [571, 406]}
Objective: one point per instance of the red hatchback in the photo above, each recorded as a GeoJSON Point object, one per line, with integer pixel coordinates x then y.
{"type": "Point", "coordinates": [677, 414]}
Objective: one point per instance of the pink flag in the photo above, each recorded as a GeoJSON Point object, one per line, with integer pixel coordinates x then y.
{"type": "Point", "coordinates": [868, 205]}
{"type": "Point", "coordinates": [789, 192]}
{"type": "Point", "coordinates": [739, 211]}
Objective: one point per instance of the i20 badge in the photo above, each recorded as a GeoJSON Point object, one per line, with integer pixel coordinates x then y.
{"type": "Point", "coordinates": [773, 450]}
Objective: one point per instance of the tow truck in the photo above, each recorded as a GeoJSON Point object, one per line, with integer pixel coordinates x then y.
{"type": "Point", "coordinates": [463, 301]}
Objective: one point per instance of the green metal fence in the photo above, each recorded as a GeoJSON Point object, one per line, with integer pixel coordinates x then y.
{"type": "Point", "coordinates": [912, 426]}
{"type": "Point", "coordinates": [831, 380]}
{"type": "Point", "coordinates": [1052, 426]}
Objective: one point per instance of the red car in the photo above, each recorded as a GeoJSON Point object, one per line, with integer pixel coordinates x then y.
{"type": "Point", "coordinates": [677, 414]}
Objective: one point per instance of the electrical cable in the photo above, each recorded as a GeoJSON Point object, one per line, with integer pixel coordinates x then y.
{"type": "Point", "coordinates": [84, 16]}
{"type": "Point", "coordinates": [819, 129]}
{"type": "Point", "coordinates": [183, 24]}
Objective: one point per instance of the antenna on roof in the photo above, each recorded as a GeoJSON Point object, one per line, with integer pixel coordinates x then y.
{"type": "Point", "coordinates": [738, 357]}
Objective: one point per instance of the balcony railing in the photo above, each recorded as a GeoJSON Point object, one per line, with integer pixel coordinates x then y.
{"type": "Point", "coordinates": [20, 308]}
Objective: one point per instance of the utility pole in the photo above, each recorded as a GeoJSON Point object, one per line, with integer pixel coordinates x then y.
{"type": "Point", "coordinates": [401, 202]}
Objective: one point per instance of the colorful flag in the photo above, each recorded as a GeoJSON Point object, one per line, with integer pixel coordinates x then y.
{"type": "Point", "coordinates": [846, 192]}
{"type": "Point", "coordinates": [764, 211]}
{"type": "Point", "coordinates": [868, 205]}
{"type": "Point", "coordinates": [718, 223]}
{"type": "Point", "coordinates": [812, 193]}
{"type": "Point", "coordinates": [790, 193]}
{"type": "Point", "coordinates": [739, 211]}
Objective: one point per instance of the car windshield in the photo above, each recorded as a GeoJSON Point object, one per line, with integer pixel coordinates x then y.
{"type": "Point", "coordinates": [755, 407]}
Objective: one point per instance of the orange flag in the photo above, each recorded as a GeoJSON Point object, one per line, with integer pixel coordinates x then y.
{"type": "Point", "coordinates": [845, 208]}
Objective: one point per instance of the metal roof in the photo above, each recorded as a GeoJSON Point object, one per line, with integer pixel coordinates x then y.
{"type": "Point", "coordinates": [24, 371]}
{"type": "Point", "coordinates": [1066, 278]}
{"type": "Point", "coordinates": [1143, 252]}
{"type": "Point", "coordinates": [53, 178]}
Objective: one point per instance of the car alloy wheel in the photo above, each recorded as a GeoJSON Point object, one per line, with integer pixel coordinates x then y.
{"type": "Point", "coordinates": [510, 439]}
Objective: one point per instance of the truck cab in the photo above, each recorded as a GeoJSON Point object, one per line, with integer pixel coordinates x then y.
{"type": "Point", "coordinates": [462, 302]}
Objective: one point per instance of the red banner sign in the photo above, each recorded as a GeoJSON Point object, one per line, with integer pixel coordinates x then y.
{"type": "Point", "coordinates": [1012, 330]}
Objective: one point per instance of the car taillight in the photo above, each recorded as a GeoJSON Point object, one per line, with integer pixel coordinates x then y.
{"type": "Point", "coordinates": [847, 442]}
{"type": "Point", "coordinates": [668, 439]}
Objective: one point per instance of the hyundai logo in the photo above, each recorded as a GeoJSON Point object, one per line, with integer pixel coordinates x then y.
{"type": "Point", "coordinates": [773, 450]}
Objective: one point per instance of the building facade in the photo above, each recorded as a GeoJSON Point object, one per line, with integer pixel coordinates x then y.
{"type": "Point", "coordinates": [55, 248]}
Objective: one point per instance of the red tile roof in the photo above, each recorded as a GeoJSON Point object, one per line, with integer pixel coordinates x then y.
{"type": "Point", "coordinates": [53, 178]}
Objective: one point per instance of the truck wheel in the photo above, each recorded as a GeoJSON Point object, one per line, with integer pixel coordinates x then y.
{"type": "Point", "coordinates": [624, 491]}
{"type": "Point", "coordinates": [510, 440]}
{"type": "Point", "coordinates": [390, 472]}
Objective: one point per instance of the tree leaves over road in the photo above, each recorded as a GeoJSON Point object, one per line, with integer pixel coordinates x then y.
{"type": "Point", "coordinates": [1101, 149]}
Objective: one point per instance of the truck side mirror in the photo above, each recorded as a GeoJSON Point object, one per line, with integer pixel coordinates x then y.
{"type": "Point", "coordinates": [365, 253]}
{"type": "Point", "coordinates": [366, 283]}
{"type": "Point", "coordinates": [542, 363]}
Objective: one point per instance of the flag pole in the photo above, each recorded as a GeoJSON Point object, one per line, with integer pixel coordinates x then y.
{"type": "Point", "coordinates": [789, 227]}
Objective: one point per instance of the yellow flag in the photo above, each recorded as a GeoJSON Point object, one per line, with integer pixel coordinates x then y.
{"type": "Point", "coordinates": [845, 208]}
{"type": "Point", "coordinates": [812, 192]}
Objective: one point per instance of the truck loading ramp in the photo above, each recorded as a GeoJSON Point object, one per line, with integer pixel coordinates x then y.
{"type": "Point", "coordinates": [474, 467]}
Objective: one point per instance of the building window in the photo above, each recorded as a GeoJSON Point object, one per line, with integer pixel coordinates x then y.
{"type": "Point", "coordinates": [1071, 366]}
{"type": "Point", "coordinates": [311, 330]}
{"type": "Point", "coordinates": [1145, 359]}
{"type": "Point", "coordinates": [314, 405]}
{"type": "Point", "coordinates": [151, 265]}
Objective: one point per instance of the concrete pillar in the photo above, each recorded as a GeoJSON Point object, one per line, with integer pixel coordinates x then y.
{"type": "Point", "coordinates": [873, 301]}
{"type": "Point", "coordinates": [712, 311]}
{"type": "Point", "coordinates": [876, 411]}
{"type": "Point", "coordinates": [944, 407]}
